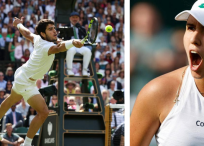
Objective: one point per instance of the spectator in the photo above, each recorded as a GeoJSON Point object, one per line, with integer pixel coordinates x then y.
{"type": "Point", "coordinates": [28, 44]}
{"type": "Point", "coordinates": [102, 62]}
{"type": "Point", "coordinates": [2, 93]}
{"type": "Point", "coordinates": [22, 108]}
{"type": "Point", "coordinates": [117, 118]}
{"type": "Point", "coordinates": [41, 7]}
{"type": "Point", "coordinates": [118, 50]}
{"type": "Point", "coordinates": [100, 85]}
{"type": "Point", "coordinates": [17, 33]}
{"type": "Point", "coordinates": [29, 27]}
{"type": "Point", "coordinates": [26, 15]}
{"type": "Point", "coordinates": [2, 81]}
{"type": "Point", "coordinates": [112, 88]}
{"type": "Point", "coordinates": [118, 85]}
{"type": "Point", "coordinates": [11, 139]}
{"type": "Point", "coordinates": [108, 75]}
{"type": "Point", "coordinates": [108, 57]}
{"type": "Point", "coordinates": [119, 135]}
{"type": "Point", "coordinates": [115, 66]}
{"type": "Point", "coordinates": [44, 81]}
{"type": "Point", "coordinates": [6, 20]}
{"type": "Point", "coordinates": [14, 117]}
{"type": "Point", "coordinates": [19, 51]}
{"type": "Point", "coordinates": [103, 44]}
{"type": "Point", "coordinates": [26, 56]}
{"type": "Point", "coordinates": [29, 117]}
{"type": "Point", "coordinates": [113, 45]}
{"type": "Point", "coordinates": [50, 8]}
{"type": "Point", "coordinates": [114, 20]}
{"type": "Point", "coordinates": [3, 14]}
{"type": "Point", "coordinates": [10, 33]}
{"type": "Point", "coordinates": [99, 14]}
{"type": "Point", "coordinates": [78, 99]}
{"type": "Point", "coordinates": [8, 87]}
{"type": "Point", "coordinates": [105, 97]}
{"type": "Point", "coordinates": [3, 42]}
{"type": "Point", "coordinates": [120, 77]}
{"type": "Point", "coordinates": [15, 11]}
{"type": "Point", "coordinates": [30, 7]}
{"type": "Point", "coordinates": [9, 74]}
{"type": "Point", "coordinates": [54, 101]}
{"type": "Point", "coordinates": [104, 83]}
{"type": "Point", "coordinates": [71, 103]}
{"type": "Point", "coordinates": [70, 87]}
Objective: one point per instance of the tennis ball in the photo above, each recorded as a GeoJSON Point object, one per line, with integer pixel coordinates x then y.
{"type": "Point", "coordinates": [109, 28]}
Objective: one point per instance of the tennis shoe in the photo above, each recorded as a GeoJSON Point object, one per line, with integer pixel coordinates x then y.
{"type": "Point", "coordinates": [85, 73]}
{"type": "Point", "coordinates": [70, 72]}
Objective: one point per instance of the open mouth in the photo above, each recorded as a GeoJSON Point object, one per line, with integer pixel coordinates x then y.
{"type": "Point", "coordinates": [196, 59]}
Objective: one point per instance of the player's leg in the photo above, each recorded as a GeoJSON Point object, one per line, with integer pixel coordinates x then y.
{"type": "Point", "coordinates": [86, 52]}
{"type": "Point", "coordinates": [8, 102]}
{"type": "Point", "coordinates": [37, 102]}
{"type": "Point", "coordinates": [69, 60]}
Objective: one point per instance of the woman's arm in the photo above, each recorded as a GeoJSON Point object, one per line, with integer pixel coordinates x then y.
{"type": "Point", "coordinates": [144, 120]}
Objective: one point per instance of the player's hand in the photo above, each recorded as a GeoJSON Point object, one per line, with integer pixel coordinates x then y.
{"type": "Point", "coordinates": [17, 21]}
{"type": "Point", "coordinates": [59, 41]}
{"type": "Point", "coordinates": [77, 43]}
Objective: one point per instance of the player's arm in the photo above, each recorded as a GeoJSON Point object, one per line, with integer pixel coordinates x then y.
{"type": "Point", "coordinates": [64, 46]}
{"type": "Point", "coordinates": [152, 106]}
{"type": "Point", "coordinates": [144, 120]}
{"type": "Point", "coordinates": [23, 30]}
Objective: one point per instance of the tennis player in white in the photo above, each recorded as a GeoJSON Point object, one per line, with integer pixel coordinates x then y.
{"type": "Point", "coordinates": [39, 63]}
{"type": "Point", "coordinates": [171, 107]}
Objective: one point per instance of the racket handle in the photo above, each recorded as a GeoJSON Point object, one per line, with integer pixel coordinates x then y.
{"type": "Point", "coordinates": [83, 41]}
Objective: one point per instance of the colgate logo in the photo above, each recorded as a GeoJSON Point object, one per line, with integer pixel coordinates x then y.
{"type": "Point", "coordinates": [199, 123]}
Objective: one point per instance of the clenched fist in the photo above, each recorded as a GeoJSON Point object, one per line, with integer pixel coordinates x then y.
{"type": "Point", "coordinates": [77, 43]}
{"type": "Point", "coordinates": [17, 21]}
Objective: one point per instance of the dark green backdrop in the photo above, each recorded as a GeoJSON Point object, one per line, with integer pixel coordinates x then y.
{"type": "Point", "coordinates": [168, 9]}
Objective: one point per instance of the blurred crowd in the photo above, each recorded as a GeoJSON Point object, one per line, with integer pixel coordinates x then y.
{"type": "Point", "coordinates": [155, 48]}
{"type": "Point", "coordinates": [109, 55]}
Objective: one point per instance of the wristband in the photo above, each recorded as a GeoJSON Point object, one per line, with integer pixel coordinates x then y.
{"type": "Point", "coordinates": [68, 44]}
{"type": "Point", "coordinates": [19, 25]}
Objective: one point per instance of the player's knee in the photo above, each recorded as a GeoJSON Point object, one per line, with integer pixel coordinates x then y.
{"type": "Point", "coordinates": [87, 52]}
{"type": "Point", "coordinates": [44, 113]}
{"type": "Point", "coordinates": [72, 50]}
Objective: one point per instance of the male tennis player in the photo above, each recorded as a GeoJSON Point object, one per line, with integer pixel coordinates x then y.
{"type": "Point", "coordinates": [171, 107]}
{"type": "Point", "coordinates": [39, 63]}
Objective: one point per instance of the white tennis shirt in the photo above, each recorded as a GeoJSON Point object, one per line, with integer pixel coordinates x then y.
{"type": "Point", "coordinates": [184, 125]}
{"type": "Point", "coordinates": [39, 62]}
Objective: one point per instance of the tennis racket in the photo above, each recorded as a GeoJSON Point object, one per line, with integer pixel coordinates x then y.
{"type": "Point", "coordinates": [92, 31]}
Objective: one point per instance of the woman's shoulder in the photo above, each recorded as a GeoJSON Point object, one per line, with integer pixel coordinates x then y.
{"type": "Point", "coordinates": [161, 90]}
{"type": "Point", "coordinates": [166, 83]}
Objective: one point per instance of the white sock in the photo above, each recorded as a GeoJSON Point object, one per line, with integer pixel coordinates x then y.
{"type": "Point", "coordinates": [28, 141]}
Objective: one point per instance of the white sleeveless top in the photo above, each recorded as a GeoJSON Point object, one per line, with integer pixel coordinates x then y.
{"type": "Point", "coordinates": [39, 62]}
{"type": "Point", "coordinates": [184, 125]}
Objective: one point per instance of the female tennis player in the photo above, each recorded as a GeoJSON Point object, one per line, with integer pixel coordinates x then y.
{"type": "Point", "coordinates": [39, 63]}
{"type": "Point", "coordinates": [171, 107]}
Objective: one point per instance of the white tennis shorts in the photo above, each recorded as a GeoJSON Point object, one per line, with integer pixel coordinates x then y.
{"type": "Point", "coordinates": [23, 85]}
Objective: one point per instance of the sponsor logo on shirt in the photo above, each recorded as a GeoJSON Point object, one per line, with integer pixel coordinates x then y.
{"type": "Point", "coordinates": [199, 123]}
